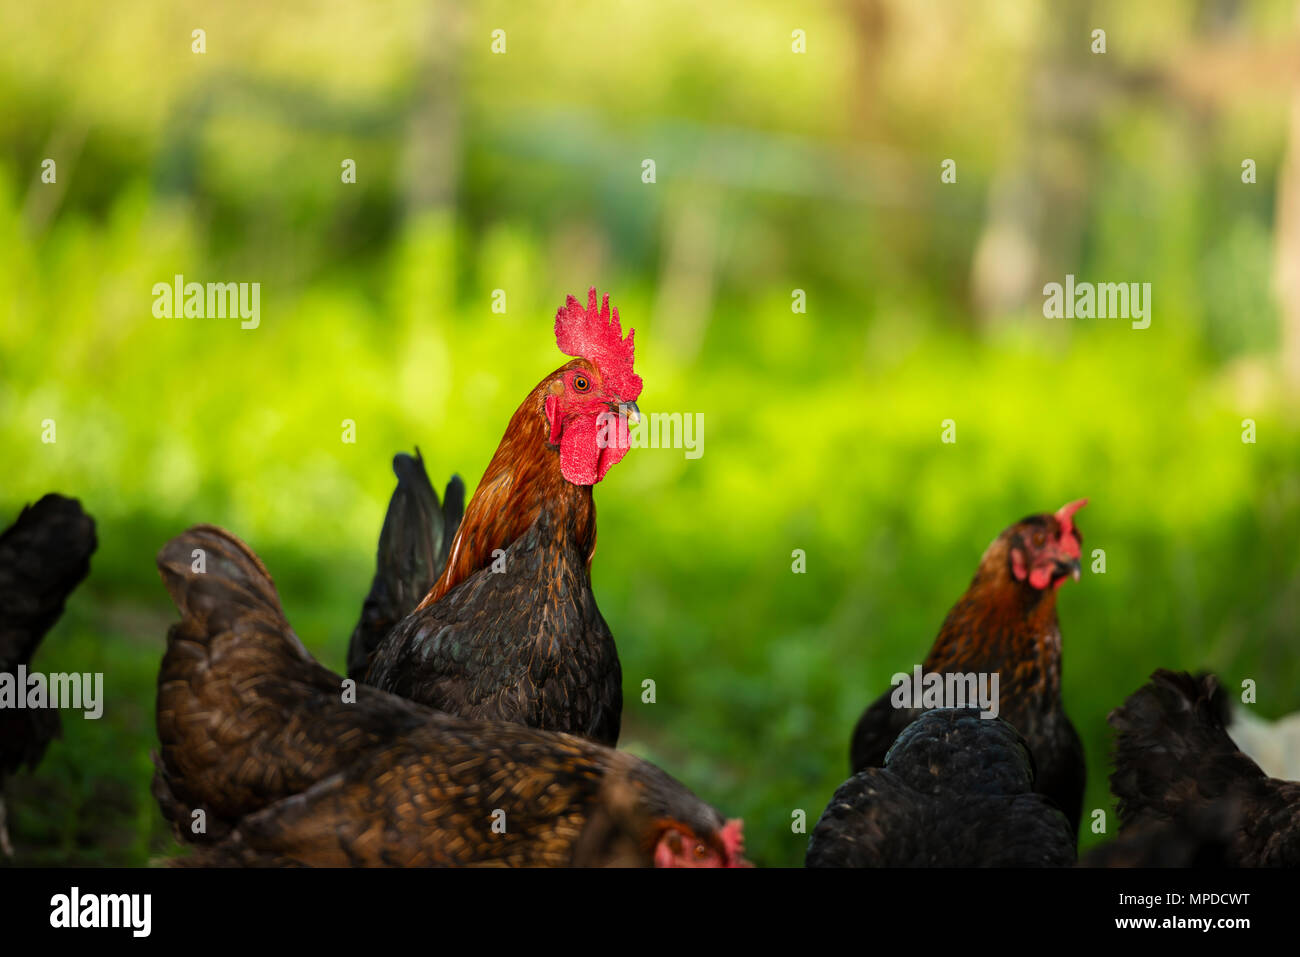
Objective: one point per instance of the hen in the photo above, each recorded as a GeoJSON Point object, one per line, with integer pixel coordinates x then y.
{"type": "Point", "coordinates": [510, 631]}
{"type": "Point", "coordinates": [44, 555]}
{"type": "Point", "coordinates": [413, 547]}
{"type": "Point", "coordinates": [1006, 624]}
{"type": "Point", "coordinates": [287, 767]}
{"type": "Point", "coordinates": [957, 790]}
{"type": "Point", "coordinates": [1175, 763]}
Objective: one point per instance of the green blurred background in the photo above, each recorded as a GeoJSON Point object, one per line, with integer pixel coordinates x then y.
{"type": "Point", "coordinates": [776, 171]}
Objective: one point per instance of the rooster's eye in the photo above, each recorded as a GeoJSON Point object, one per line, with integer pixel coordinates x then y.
{"type": "Point", "coordinates": [581, 383]}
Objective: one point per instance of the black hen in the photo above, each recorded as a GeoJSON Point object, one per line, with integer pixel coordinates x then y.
{"type": "Point", "coordinates": [957, 790]}
{"type": "Point", "coordinates": [413, 547]}
{"type": "Point", "coordinates": [44, 555]}
{"type": "Point", "coordinates": [1174, 761]}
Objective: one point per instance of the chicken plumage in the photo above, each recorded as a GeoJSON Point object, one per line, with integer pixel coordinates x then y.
{"type": "Point", "coordinates": [413, 547]}
{"type": "Point", "coordinates": [956, 790]}
{"type": "Point", "coordinates": [44, 555]}
{"type": "Point", "coordinates": [290, 765]}
{"type": "Point", "coordinates": [1006, 624]}
{"type": "Point", "coordinates": [553, 667]}
{"type": "Point", "coordinates": [511, 630]}
{"type": "Point", "coordinates": [1201, 838]}
{"type": "Point", "coordinates": [1176, 763]}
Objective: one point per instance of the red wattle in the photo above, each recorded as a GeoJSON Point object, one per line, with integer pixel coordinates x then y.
{"type": "Point", "coordinates": [579, 456]}
{"type": "Point", "coordinates": [591, 445]}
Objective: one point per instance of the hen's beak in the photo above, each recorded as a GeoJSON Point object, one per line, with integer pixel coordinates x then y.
{"type": "Point", "coordinates": [1072, 567]}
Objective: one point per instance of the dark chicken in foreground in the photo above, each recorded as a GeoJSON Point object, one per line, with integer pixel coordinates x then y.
{"type": "Point", "coordinates": [1176, 767]}
{"type": "Point", "coordinates": [44, 555]}
{"type": "Point", "coordinates": [510, 631]}
{"type": "Point", "coordinates": [413, 547]}
{"type": "Point", "coordinates": [1006, 624]}
{"type": "Point", "coordinates": [1199, 839]}
{"type": "Point", "coordinates": [258, 735]}
{"type": "Point", "coordinates": [957, 790]}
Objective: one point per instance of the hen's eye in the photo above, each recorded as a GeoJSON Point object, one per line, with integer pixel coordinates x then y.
{"type": "Point", "coordinates": [581, 383]}
{"type": "Point", "coordinates": [1039, 539]}
{"type": "Point", "coordinates": [700, 851]}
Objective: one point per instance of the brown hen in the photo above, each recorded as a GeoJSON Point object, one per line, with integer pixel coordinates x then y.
{"type": "Point", "coordinates": [1006, 624]}
{"type": "Point", "coordinates": [283, 762]}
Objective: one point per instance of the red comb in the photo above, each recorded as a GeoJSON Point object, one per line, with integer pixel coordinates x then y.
{"type": "Point", "coordinates": [1065, 514]}
{"type": "Point", "coordinates": [598, 338]}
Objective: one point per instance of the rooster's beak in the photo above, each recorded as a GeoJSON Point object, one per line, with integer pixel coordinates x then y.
{"type": "Point", "coordinates": [631, 411]}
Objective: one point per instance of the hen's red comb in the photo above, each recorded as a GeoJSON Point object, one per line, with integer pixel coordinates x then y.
{"type": "Point", "coordinates": [1065, 514]}
{"type": "Point", "coordinates": [597, 337]}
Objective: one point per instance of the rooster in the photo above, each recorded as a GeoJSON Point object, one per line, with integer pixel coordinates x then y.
{"type": "Point", "coordinates": [510, 630]}
{"type": "Point", "coordinates": [44, 555]}
{"type": "Point", "coordinates": [957, 790]}
{"type": "Point", "coordinates": [1176, 765]}
{"type": "Point", "coordinates": [413, 547]}
{"type": "Point", "coordinates": [1006, 624]}
{"type": "Point", "coordinates": [269, 751]}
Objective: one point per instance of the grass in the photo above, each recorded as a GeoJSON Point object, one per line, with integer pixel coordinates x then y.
{"type": "Point", "coordinates": [831, 445]}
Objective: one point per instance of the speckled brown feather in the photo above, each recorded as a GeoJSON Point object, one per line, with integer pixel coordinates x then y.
{"type": "Point", "coordinates": [245, 716]}
{"type": "Point", "coordinates": [256, 733]}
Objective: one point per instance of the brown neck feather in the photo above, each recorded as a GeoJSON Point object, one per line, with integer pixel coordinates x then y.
{"type": "Point", "coordinates": [1004, 625]}
{"type": "Point", "coordinates": [523, 478]}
